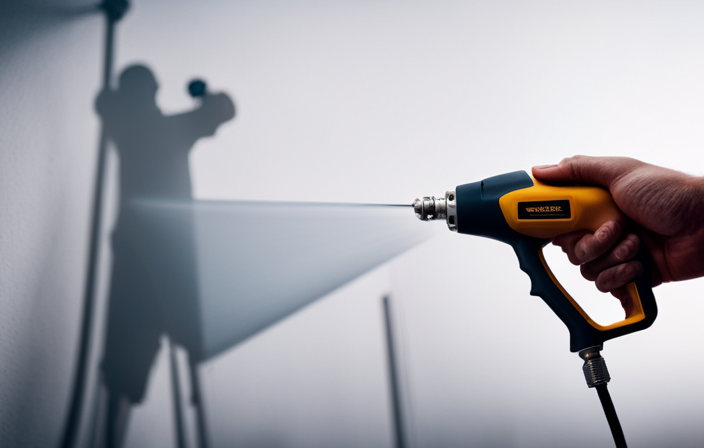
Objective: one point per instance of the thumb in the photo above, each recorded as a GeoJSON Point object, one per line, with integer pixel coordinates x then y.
{"type": "Point", "coordinates": [585, 170]}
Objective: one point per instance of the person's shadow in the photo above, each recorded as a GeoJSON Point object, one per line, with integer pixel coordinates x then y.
{"type": "Point", "coordinates": [156, 294]}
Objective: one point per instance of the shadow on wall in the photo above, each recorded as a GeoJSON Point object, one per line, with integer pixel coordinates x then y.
{"type": "Point", "coordinates": [154, 285]}
{"type": "Point", "coordinates": [210, 274]}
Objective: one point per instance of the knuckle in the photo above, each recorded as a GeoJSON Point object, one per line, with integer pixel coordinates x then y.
{"type": "Point", "coordinates": [566, 160]}
{"type": "Point", "coordinates": [571, 163]}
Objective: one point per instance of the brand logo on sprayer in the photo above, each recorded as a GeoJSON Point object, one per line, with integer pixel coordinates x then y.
{"type": "Point", "coordinates": [544, 210]}
{"type": "Point", "coordinates": [552, 208]}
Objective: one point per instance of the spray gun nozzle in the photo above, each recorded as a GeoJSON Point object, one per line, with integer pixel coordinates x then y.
{"type": "Point", "coordinates": [431, 208]}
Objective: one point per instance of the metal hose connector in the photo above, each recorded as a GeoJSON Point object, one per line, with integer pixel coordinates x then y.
{"type": "Point", "coordinates": [594, 368]}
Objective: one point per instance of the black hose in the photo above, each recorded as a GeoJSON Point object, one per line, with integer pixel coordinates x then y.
{"type": "Point", "coordinates": [611, 416]}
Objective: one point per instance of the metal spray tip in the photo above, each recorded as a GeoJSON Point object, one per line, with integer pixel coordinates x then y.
{"type": "Point", "coordinates": [431, 208]}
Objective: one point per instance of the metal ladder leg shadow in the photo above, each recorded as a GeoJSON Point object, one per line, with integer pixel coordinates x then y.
{"type": "Point", "coordinates": [197, 400]}
{"type": "Point", "coordinates": [177, 399]}
{"type": "Point", "coordinates": [394, 383]}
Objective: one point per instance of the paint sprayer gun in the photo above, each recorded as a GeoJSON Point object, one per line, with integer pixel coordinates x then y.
{"type": "Point", "coordinates": [521, 211]}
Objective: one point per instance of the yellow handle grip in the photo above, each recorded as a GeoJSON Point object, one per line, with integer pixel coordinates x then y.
{"type": "Point", "coordinates": [545, 211]}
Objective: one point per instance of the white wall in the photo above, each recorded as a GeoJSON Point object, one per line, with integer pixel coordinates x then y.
{"type": "Point", "coordinates": [385, 101]}
{"type": "Point", "coordinates": [373, 102]}
{"type": "Point", "coordinates": [50, 56]}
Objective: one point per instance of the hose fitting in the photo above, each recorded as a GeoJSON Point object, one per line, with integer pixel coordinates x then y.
{"type": "Point", "coordinates": [594, 368]}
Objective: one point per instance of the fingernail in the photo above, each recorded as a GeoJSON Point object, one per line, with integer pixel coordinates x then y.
{"type": "Point", "coordinates": [542, 167]}
{"type": "Point", "coordinates": [580, 252]}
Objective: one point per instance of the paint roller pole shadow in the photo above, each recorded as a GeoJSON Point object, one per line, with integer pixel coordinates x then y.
{"type": "Point", "coordinates": [114, 11]}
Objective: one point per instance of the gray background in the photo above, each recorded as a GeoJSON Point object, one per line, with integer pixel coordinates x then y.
{"type": "Point", "coordinates": [362, 102]}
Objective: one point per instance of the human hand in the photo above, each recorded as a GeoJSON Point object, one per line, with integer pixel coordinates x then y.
{"type": "Point", "coordinates": [666, 211]}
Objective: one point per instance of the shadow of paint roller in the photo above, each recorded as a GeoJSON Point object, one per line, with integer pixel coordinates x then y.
{"type": "Point", "coordinates": [256, 263]}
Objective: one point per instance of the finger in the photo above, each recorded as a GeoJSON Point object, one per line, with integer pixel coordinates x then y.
{"type": "Point", "coordinates": [617, 276]}
{"type": "Point", "coordinates": [567, 243]}
{"type": "Point", "coordinates": [625, 298]}
{"type": "Point", "coordinates": [655, 246]}
{"type": "Point", "coordinates": [585, 170]}
{"type": "Point", "coordinates": [624, 251]}
{"type": "Point", "coordinates": [594, 245]}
